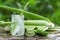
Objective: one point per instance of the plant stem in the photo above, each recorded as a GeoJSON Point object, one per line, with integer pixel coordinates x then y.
{"type": "Point", "coordinates": [25, 7]}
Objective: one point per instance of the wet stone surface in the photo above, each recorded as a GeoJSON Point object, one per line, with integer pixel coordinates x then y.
{"type": "Point", "coordinates": [52, 36]}
{"type": "Point", "coordinates": [49, 37]}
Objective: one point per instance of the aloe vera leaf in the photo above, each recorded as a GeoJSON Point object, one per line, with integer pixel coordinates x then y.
{"type": "Point", "coordinates": [36, 22]}
{"type": "Point", "coordinates": [26, 14]}
{"type": "Point", "coordinates": [30, 34]}
{"type": "Point", "coordinates": [44, 33]}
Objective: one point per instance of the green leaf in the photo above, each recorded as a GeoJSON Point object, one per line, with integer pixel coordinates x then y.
{"type": "Point", "coordinates": [0, 2]}
{"type": "Point", "coordinates": [32, 2]}
{"type": "Point", "coordinates": [56, 17]}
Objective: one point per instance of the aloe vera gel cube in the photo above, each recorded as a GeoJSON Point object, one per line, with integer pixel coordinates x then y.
{"type": "Point", "coordinates": [17, 25]}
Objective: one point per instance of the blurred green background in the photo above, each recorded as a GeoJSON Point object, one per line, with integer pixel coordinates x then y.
{"type": "Point", "coordinates": [47, 8]}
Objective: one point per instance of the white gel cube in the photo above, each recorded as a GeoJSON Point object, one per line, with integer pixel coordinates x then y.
{"type": "Point", "coordinates": [17, 26]}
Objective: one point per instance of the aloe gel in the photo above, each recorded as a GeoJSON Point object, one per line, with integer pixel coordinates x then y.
{"type": "Point", "coordinates": [17, 26]}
